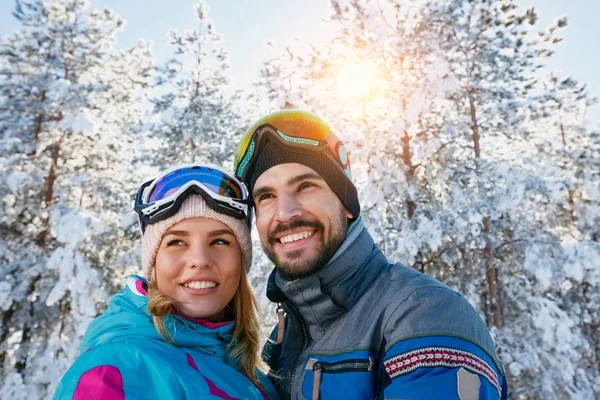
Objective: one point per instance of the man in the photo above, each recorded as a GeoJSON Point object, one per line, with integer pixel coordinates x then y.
{"type": "Point", "coordinates": [355, 326]}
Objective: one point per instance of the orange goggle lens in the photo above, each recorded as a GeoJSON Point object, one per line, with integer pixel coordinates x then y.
{"type": "Point", "coordinates": [294, 126]}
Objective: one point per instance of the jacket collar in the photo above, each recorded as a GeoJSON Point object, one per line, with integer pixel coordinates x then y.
{"type": "Point", "coordinates": [325, 296]}
{"type": "Point", "coordinates": [127, 316]}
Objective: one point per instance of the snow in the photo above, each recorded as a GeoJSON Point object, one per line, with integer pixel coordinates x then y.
{"type": "Point", "coordinates": [127, 220]}
{"type": "Point", "coordinates": [15, 180]}
{"type": "Point", "coordinates": [71, 226]}
{"type": "Point", "coordinates": [5, 298]}
{"type": "Point", "coordinates": [59, 89]}
{"type": "Point", "coordinates": [82, 123]}
{"type": "Point", "coordinates": [541, 199]}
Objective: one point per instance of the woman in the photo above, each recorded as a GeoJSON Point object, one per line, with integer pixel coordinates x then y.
{"type": "Point", "coordinates": [189, 328]}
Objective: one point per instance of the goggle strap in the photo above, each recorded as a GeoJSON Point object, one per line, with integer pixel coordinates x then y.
{"type": "Point", "coordinates": [171, 208]}
{"type": "Point", "coordinates": [265, 132]}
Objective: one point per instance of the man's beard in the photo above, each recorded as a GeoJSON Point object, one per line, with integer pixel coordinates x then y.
{"type": "Point", "coordinates": [302, 267]}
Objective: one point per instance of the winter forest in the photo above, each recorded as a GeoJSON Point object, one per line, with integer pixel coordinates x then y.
{"type": "Point", "coordinates": [475, 164]}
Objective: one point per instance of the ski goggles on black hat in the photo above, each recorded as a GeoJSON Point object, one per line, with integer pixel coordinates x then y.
{"type": "Point", "coordinates": [297, 130]}
{"type": "Point", "coordinates": [161, 198]}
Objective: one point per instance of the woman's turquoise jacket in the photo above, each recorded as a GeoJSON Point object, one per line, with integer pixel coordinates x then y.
{"type": "Point", "coordinates": [124, 357]}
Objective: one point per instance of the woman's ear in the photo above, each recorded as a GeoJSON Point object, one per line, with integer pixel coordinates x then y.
{"type": "Point", "coordinates": [152, 274]}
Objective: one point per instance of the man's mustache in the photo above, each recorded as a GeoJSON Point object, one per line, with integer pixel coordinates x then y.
{"type": "Point", "coordinates": [294, 225]}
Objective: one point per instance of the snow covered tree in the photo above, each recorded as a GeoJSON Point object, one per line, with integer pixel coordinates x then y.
{"type": "Point", "coordinates": [450, 147]}
{"type": "Point", "coordinates": [67, 99]}
{"type": "Point", "coordinates": [195, 117]}
{"type": "Point", "coordinates": [487, 46]}
{"type": "Point", "coordinates": [561, 259]}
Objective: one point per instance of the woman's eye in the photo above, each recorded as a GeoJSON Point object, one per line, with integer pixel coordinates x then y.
{"type": "Point", "coordinates": [174, 242]}
{"type": "Point", "coordinates": [221, 242]}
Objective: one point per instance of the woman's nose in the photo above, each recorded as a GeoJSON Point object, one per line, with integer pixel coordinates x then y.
{"type": "Point", "coordinates": [198, 256]}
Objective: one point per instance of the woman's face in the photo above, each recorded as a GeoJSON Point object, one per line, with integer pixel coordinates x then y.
{"type": "Point", "coordinates": [198, 264]}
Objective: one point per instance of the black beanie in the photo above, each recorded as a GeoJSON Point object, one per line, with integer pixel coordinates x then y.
{"type": "Point", "coordinates": [324, 163]}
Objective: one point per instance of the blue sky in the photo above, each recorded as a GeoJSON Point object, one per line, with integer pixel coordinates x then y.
{"type": "Point", "coordinates": [248, 24]}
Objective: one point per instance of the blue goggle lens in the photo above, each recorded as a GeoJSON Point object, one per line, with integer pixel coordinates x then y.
{"type": "Point", "coordinates": [215, 180]}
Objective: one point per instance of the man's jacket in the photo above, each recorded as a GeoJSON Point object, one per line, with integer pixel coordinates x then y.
{"type": "Point", "coordinates": [362, 328]}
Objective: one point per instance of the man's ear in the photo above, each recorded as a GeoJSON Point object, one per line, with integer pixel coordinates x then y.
{"type": "Point", "coordinates": [349, 215]}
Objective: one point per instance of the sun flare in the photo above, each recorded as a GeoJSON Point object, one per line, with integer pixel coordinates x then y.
{"type": "Point", "coordinates": [355, 81]}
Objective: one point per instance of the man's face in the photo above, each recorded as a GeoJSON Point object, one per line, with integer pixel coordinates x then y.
{"type": "Point", "coordinates": [300, 220]}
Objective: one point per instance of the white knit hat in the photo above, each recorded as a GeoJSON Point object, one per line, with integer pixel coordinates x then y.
{"type": "Point", "coordinates": [192, 207]}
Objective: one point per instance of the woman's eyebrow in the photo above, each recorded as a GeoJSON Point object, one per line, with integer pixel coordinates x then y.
{"type": "Point", "coordinates": [220, 232]}
{"type": "Point", "coordinates": [177, 233]}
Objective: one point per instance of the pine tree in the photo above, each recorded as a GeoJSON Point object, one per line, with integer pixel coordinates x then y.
{"type": "Point", "coordinates": [565, 266]}
{"type": "Point", "coordinates": [65, 109]}
{"type": "Point", "coordinates": [197, 118]}
{"type": "Point", "coordinates": [448, 153]}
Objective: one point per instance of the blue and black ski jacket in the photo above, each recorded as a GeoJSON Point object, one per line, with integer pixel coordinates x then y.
{"type": "Point", "coordinates": [362, 328]}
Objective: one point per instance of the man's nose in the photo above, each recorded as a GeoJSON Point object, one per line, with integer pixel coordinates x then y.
{"type": "Point", "coordinates": [288, 208]}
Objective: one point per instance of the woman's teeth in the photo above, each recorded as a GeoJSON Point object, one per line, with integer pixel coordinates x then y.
{"type": "Point", "coordinates": [200, 284]}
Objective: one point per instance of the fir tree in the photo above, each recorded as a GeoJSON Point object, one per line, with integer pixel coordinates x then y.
{"type": "Point", "coordinates": [65, 111]}
{"type": "Point", "coordinates": [197, 119]}
{"type": "Point", "coordinates": [458, 155]}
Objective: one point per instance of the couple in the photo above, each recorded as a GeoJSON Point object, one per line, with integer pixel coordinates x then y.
{"type": "Point", "coordinates": [351, 325]}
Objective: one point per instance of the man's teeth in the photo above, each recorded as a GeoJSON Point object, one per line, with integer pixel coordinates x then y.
{"type": "Point", "coordinates": [200, 284]}
{"type": "Point", "coordinates": [295, 236]}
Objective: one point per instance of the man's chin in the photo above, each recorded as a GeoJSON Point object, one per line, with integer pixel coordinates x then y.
{"type": "Point", "coordinates": [293, 271]}
{"type": "Point", "coordinates": [296, 264]}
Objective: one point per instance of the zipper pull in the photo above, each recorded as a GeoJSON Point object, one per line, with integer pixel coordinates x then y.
{"type": "Point", "coordinates": [371, 363]}
{"type": "Point", "coordinates": [280, 322]}
{"type": "Point", "coordinates": [317, 367]}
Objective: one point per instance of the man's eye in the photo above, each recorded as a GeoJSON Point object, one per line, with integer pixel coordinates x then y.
{"type": "Point", "coordinates": [264, 196]}
{"type": "Point", "coordinates": [306, 185]}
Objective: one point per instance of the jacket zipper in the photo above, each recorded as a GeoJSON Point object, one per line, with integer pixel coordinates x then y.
{"type": "Point", "coordinates": [352, 365]}
{"type": "Point", "coordinates": [280, 323]}
{"type": "Point", "coordinates": [302, 347]}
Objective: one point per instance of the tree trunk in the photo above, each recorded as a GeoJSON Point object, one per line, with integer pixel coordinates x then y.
{"type": "Point", "coordinates": [192, 149]}
{"type": "Point", "coordinates": [592, 326]}
{"type": "Point", "coordinates": [409, 170]}
{"type": "Point", "coordinates": [411, 206]}
{"type": "Point", "coordinates": [474, 128]}
{"type": "Point", "coordinates": [562, 133]}
{"type": "Point", "coordinates": [39, 120]}
{"type": "Point", "coordinates": [491, 274]}
{"type": "Point", "coordinates": [494, 306]}
{"type": "Point", "coordinates": [49, 195]}
{"type": "Point", "coordinates": [570, 192]}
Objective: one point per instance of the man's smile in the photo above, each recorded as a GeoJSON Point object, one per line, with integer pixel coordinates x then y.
{"type": "Point", "coordinates": [293, 237]}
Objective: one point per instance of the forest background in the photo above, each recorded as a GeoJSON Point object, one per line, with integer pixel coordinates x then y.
{"type": "Point", "coordinates": [476, 163]}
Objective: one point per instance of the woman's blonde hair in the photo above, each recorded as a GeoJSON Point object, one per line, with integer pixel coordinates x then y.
{"type": "Point", "coordinates": [243, 309]}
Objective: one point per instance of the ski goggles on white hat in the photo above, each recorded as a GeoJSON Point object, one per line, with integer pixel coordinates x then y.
{"type": "Point", "coordinates": [161, 198]}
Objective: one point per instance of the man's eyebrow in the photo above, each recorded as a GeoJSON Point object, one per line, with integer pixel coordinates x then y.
{"type": "Point", "coordinates": [261, 190]}
{"type": "Point", "coordinates": [292, 181]}
{"type": "Point", "coordinates": [300, 178]}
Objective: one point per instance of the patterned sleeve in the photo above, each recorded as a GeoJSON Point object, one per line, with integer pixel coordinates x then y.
{"type": "Point", "coordinates": [437, 346]}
